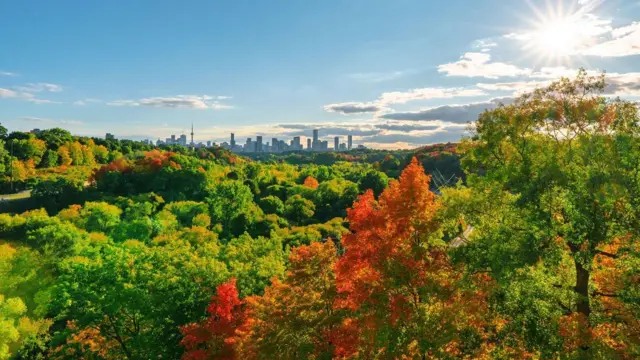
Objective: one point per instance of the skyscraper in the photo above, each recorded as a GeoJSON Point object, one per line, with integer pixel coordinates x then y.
{"type": "Point", "coordinates": [233, 140]}
{"type": "Point", "coordinates": [259, 143]}
{"type": "Point", "coordinates": [296, 143]}
{"type": "Point", "coordinates": [336, 143]}
{"type": "Point", "coordinates": [349, 142]}
{"type": "Point", "coordinates": [316, 144]}
{"type": "Point", "coordinates": [183, 140]}
{"type": "Point", "coordinates": [308, 144]}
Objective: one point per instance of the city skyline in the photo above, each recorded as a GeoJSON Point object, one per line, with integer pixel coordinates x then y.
{"type": "Point", "coordinates": [314, 143]}
{"type": "Point", "coordinates": [384, 71]}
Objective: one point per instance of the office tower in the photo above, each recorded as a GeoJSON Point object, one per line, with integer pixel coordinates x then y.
{"type": "Point", "coordinates": [343, 147]}
{"type": "Point", "coordinates": [296, 143]}
{"type": "Point", "coordinates": [183, 140]}
{"type": "Point", "coordinates": [308, 144]}
{"type": "Point", "coordinates": [173, 139]}
{"type": "Point", "coordinates": [275, 145]}
{"type": "Point", "coordinates": [316, 144]}
{"type": "Point", "coordinates": [336, 143]}
{"type": "Point", "coordinates": [233, 140]}
{"type": "Point", "coordinates": [259, 143]}
{"type": "Point", "coordinates": [110, 136]}
{"type": "Point", "coordinates": [349, 142]}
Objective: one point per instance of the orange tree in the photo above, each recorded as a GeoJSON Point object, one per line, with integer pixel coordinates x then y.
{"type": "Point", "coordinates": [401, 295]}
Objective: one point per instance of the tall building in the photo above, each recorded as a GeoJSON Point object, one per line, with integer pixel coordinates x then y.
{"type": "Point", "coordinates": [209, 143]}
{"type": "Point", "coordinates": [192, 143]}
{"type": "Point", "coordinates": [336, 143]}
{"type": "Point", "coordinates": [308, 144]}
{"type": "Point", "coordinates": [349, 142]}
{"type": "Point", "coordinates": [250, 146]}
{"type": "Point", "coordinates": [316, 144]}
{"type": "Point", "coordinates": [233, 140]}
{"type": "Point", "coordinates": [183, 140]}
{"type": "Point", "coordinates": [173, 139]}
{"type": "Point", "coordinates": [259, 143]}
{"type": "Point", "coordinates": [296, 143]}
{"type": "Point", "coordinates": [275, 145]}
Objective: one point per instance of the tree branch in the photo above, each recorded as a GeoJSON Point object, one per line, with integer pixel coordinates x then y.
{"type": "Point", "coordinates": [604, 253]}
{"type": "Point", "coordinates": [598, 293]}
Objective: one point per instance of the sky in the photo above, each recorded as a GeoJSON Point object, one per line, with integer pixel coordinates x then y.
{"type": "Point", "coordinates": [393, 73]}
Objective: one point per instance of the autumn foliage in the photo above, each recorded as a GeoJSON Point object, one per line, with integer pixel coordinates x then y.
{"type": "Point", "coordinates": [214, 338]}
{"type": "Point", "coordinates": [393, 272]}
{"type": "Point", "coordinates": [311, 182]}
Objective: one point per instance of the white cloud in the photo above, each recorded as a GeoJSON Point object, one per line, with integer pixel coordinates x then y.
{"type": "Point", "coordinates": [625, 30]}
{"type": "Point", "coordinates": [623, 41]}
{"type": "Point", "coordinates": [377, 76]}
{"type": "Point", "coordinates": [459, 114]}
{"type": "Point", "coordinates": [516, 87]}
{"type": "Point", "coordinates": [42, 101]}
{"type": "Point", "coordinates": [618, 84]}
{"type": "Point", "coordinates": [401, 97]}
{"type": "Point", "coordinates": [50, 121]}
{"type": "Point", "coordinates": [350, 108]}
{"type": "Point", "coordinates": [178, 101]}
{"type": "Point", "coordinates": [477, 64]}
{"type": "Point", "coordinates": [6, 93]}
{"type": "Point", "coordinates": [39, 87]}
{"type": "Point", "coordinates": [7, 73]}
{"type": "Point", "coordinates": [484, 44]}
{"type": "Point", "coordinates": [86, 101]}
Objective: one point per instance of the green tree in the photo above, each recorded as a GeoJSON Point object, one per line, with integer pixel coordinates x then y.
{"type": "Point", "coordinates": [50, 159]}
{"type": "Point", "coordinates": [254, 261]}
{"type": "Point", "coordinates": [374, 180]}
{"type": "Point", "coordinates": [55, 137]}
{"type": "Point", "coordinates": [272, 205]}
{"type": "Point", "coordinates": [554, 184]}
{"type": "Point", "coordinates": [58, 240]}
{"type": "Point", "coordinates": [17, 330]}
{"type": "Point", "coordinates": [137, 297]}
{"type": "Point", "coordinates": [56, 194]}
{"type": "Point", "coordinates": [99, 216]}
{"type": "Point", "coordinates": [333, 197]}
{"type": "Point", "coordinates": [299, 209]}
{"type": "Point", "coordinates": [227, 200]}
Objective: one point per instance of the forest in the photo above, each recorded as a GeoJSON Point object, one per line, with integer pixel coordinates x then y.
{"type": "Point", "coordinates": [520, 242]}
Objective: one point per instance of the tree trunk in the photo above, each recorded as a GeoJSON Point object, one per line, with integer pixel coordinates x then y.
{"type": "Point", "coordinates": [582, 289]}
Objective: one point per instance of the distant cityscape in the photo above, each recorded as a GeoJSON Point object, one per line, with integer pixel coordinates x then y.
{"type": "Point", "coordinates": [258, 145]}
{"type": "Point", "coordinates": [276, 145]}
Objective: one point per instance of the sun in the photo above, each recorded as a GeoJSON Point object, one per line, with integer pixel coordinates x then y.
{"type": "Point", "coordinates": [557, 35]}
{"type": "Point", "coordinates": [557, 38]}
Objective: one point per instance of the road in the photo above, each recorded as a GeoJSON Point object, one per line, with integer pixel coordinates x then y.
{"type": "Point", "coordinates": [20, 195]}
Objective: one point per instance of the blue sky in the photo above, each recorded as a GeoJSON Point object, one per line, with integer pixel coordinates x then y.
{"type": "Point", "coordinates": [394, 73]}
